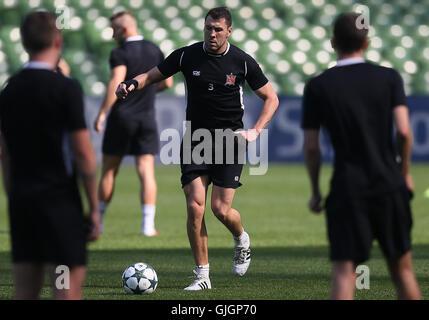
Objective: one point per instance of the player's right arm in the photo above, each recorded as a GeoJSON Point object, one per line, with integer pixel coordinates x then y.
{"type": "Point", "coordinates": [167, 68]}
{"type": "Point", "coordinates": [118, 75]}
{"type": "Point", "coordinates": [5, 164]}
{"type": "Point", "coordinates": [139, 82]}
{"type": "Point", "coordinates": [404, 141]}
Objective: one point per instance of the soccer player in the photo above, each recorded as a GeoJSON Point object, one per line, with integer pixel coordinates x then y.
{"type": "Point", "coordinates": [358, 103]}
{"type": "Point", "coordinates": [131, 126]}
{"type": "Point", "coordinates": [43, 138]}
{"type": "Point", "coordinates": [215, 72]}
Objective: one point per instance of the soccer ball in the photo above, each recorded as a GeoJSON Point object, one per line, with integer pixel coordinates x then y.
{"type": "Point", "coordinates": [139, 278]}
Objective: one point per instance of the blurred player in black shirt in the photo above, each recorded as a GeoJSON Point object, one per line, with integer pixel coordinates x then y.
{"type": "Point", "coordinates": [44, 136]}
{"type": "Point", "coordinates": [131, 126]}
{"type": "Point", "coordinates": [358, 103]}
{"type": "Point", "coordinates": [215, 72]}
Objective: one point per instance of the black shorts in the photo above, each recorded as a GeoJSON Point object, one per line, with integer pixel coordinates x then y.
{"type": "Point", "coordinates": [130, 136]}
{"type": "Point", "coordinates": [49, 230]}
{"type": "Point", "coordinates": [221, 175]}
{"type": "Point", "coordinates": [353, 223]}
{"type": "Point", "coordinates": [223, 172]}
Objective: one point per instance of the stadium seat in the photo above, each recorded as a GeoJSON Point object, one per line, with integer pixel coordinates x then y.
{"type": "Point", "coordinates": [289, 38]}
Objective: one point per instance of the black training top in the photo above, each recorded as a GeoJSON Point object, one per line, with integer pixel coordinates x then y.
{"type": "Point", "coordinates": [214, 84]}
{"type": "Point", "coordinates": [355, 104]}
{"type": "Point", "coordinates": [139, 57]}
{"type": "Point", "coordinates": [38, 108]}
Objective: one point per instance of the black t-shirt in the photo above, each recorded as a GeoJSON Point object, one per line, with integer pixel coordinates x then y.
{"type": "Point", "coordinates": [355, 104]}
{"type": "Point", "coordinates": [139, 57]}
{"type": "Point", "coordinates": [214, 84]}
{"type": "Point", "coordinates": [38, 109]}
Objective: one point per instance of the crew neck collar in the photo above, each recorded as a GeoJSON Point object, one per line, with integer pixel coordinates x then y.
{"type": "Point", "coordinates": [350, 61]}
{"type": "Point", "coordinates": [216, 55]}
{"type": "Point", "coordinates": [134, 38]}
{"type": "Point", "coordinates": [38, 65]}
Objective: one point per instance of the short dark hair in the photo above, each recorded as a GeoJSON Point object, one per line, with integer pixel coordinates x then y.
{"type": "Point", "coordinates": [38, 30]}
{"type": "Point", "coordinates": [219, 13]}
{"type": "Point", "coordinates": [348, 37]}
{"type": "Point", "coordinates": [120, 14]}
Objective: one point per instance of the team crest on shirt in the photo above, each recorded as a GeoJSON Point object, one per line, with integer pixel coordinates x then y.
{"type": "Point", "coordinates": [230, 79]}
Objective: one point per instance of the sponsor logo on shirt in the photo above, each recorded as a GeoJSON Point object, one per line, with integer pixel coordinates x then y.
{"type": "Point", "coordinates": [196, 73]}
{"type": "Point", "coordinates": [230, 79]}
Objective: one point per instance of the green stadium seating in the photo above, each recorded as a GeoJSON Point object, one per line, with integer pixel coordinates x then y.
{"type": "Point", "coordinates": [289, 38]}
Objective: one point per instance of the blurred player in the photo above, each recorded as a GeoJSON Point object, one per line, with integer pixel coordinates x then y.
{"type": "Point", "coordinates": [131, 126]}
{"type": "Point", "coordinates": [358, 103]}
{"type": "Point", "coordinates": [42, 125]}
{"type": "Point", "coordinates": [215, 72]}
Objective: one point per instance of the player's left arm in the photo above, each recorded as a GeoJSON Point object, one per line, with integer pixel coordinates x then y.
{"type": "Point", "coordinates": [404, 141]}
{"type": "Point", "coordinates": [86, 164]}
{"type": "Point", "coordinates": [312, 157]}
{"type": "Point", "coordinates": [5, 164]}
{"type": "Point", "coordinates": [271, 103]}
{"type": "Point", "coordinates": [165, 84]}
{"type": "Point", "coordinates": [401, 117]}
{"type": "Point", "coordinates": [117, 75]}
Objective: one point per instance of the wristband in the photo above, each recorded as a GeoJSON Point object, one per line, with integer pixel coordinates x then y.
{"type": "Point", "coordinates": [128, 83]}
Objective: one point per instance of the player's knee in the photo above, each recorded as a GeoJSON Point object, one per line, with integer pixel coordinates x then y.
{"type": "Point", "coordinates": [109, 175]}
{"type": "Point", "coordinates": [343, 269]}
{"type": "Point", "coordinates": [403, 262]}
{"type": "Point", "coordinates": [147, 180]}
{"type": "Point", "coordinates": [195, 209]}
{"type": "Point", "coordinates": [220, 210]}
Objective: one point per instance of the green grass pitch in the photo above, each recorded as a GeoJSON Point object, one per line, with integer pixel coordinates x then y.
{"type": "Point", "coordinates": [289, 244]}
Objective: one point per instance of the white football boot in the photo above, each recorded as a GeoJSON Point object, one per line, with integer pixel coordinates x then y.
{"type": "Point", "coordinates": [201, 282]}
{"type": "Point", "coordinates": [241, 254]}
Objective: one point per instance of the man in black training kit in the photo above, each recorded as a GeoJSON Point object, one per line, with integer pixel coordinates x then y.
{"type": "Point", "coordinates": [358, 103]}
{"type": "Point", "coordinates": [131, 126]}
{"type": "Point", "coordinates": [44, 136]}
{"type": "Point", "coordinates": [215, 72]}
